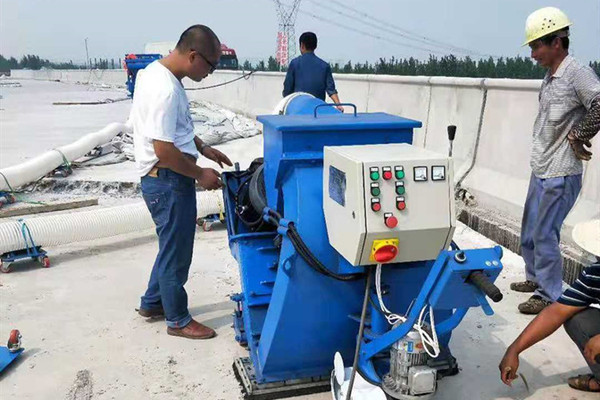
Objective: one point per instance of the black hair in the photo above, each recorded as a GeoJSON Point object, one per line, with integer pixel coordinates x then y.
{"type": "Point", "coordinates": [548, 39]}
{"type": "Point", "coordinates": [199, 38]}
{"type": "Point", "coordinates": [309, 39]}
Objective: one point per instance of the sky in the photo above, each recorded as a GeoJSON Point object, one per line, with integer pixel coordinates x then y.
{"type": "Point", "coordinates": [56, 29]}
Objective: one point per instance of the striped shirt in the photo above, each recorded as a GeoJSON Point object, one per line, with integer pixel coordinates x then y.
{"type": "Point", "coordinates": [565, 98]}
{"type": "Point", "coordinates": [585, 291]}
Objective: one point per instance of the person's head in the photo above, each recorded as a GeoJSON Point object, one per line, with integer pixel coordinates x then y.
{"type": "Point", "coordinates": [547, 34]}
{"type": "Point", "coordinates": [550, 48]}
{"type": "Point", "coordinates": [308, 42]}
{"type": "Point", "coordinates": [199, 51]}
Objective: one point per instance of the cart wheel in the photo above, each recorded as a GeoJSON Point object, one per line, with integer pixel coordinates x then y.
{"type": "Point", "coordinates": [5, 267]}
{"type": "Point", "coordinates": [45, 262]}
{"type": "Point", "coordinates": [199, 221]}
{"type": "Point", "coordinates": [206, 226]}
{"type": "Point", "coordinates": [14, 341]}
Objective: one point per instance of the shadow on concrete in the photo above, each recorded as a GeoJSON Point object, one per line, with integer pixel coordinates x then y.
{"type": "Point", "coordinates": [218, 322]}
{"type": "Point", "coordinates": [27, 353]}
{"type": "Point", "coordinates": [207, 308]}
{"type": "Point", "coordinates": [24, 266]}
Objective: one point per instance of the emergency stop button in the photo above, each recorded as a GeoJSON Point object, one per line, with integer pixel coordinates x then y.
{"type": "Point", "coordinates": [384, 251]}
{"type": "Point", "coordinates": [390, 221]}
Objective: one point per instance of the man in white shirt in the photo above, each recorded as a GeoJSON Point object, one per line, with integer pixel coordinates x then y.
{"type": "Point", "coordinates": [166, 150]}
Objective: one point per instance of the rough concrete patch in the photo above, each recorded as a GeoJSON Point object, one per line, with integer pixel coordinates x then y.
{"type": "Point", "coordinates": [506, 232]}
{"type": "Point", "coordinates": [83, 386]}
{"type": "Point", "coordinates": [75, 187]}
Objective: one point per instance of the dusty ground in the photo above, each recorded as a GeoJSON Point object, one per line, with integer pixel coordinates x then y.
{"type": "Point", "coordinates": [84, 340]}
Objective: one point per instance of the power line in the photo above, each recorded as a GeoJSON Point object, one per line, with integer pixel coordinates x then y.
{"type": "Point", "coordinates": [407, 33]}
{"type": "Point", "coordinates": [375, 36]}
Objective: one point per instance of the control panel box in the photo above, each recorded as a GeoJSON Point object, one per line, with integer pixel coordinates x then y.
{"type": "Point", "coordinates": [388, 203]}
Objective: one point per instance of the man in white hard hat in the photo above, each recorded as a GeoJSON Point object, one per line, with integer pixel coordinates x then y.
{"type": "Point", "coordinates": [576, 309]}
{"type": "Point", "coordinates": [568, 118]}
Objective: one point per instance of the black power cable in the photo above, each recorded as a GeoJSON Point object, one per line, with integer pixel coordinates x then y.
{"type": "Point", "coordinates": [312, 260]}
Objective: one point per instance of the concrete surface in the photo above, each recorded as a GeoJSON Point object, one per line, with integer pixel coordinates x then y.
{"type": "Point", "coordinates": [30, 124]}
{"type": "Point", "coordinates": [83, 339]}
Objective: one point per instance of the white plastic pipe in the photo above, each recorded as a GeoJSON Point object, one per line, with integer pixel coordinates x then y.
{"type": "Point", "coordinates": [30, 170]}
{"type": "Point", "coordinates": [67, 228]}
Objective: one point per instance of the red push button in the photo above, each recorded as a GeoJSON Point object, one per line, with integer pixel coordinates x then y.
{"type": "Point", "coordinates": [391, 221]}
{"type": "Point", "coordinates": [385, 253]}
{"type": "Point", "coordinates": [376, 206]}
{"type": "Point", "coordinates": [401, 205]}
{"type": "Point", "coordinates": [387, 175]}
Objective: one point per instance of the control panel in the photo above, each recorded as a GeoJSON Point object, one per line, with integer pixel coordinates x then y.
{"type": "Point", "coordinates": [388, 203]}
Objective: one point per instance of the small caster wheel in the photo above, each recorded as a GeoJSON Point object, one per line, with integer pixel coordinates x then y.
{"type": "Point", "coordinates": [45, 262]}
{"type": "Point", "coordinates": [206, 226]}
{"type": "Point", "coordinates": [5, 267]}
{"type": "Point", "coordinates": [14, 341]}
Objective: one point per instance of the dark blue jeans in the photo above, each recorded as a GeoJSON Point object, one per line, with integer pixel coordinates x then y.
{"type": "Point", "coordinates": [171, 199]}
{"type": "Point", "coordinates": [547, 205]}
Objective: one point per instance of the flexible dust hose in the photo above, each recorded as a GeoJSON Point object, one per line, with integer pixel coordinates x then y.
{"type": "Point", "coordinates": [361, 329]}
{"type": "Point", "coordinates": [33, 169]}
{"type": "Point", "coordinates": [80, 226]}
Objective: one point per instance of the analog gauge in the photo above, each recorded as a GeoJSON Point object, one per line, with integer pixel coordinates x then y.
{"type": "Point", "coordinates": [438, 173]}
{"type": "Point", "coordinates": [420, 174]}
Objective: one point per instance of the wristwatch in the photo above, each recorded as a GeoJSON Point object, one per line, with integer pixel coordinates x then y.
{"type": "Point", "coordinates": [202, 147]}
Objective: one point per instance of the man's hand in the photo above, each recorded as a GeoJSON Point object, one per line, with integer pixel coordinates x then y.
{"type": "Point", "coordinates": [578, 147]}
{"type": "Point", "coordinates": [340, 108]}
{"type": "Point", "coordinates": [592, 349]}
{"type": "Point", "coordinates": [509, 366]}
{"type": "Point", "coordinates": [216, 156]}
{"type": "Point", "coordinates": [209, 179]}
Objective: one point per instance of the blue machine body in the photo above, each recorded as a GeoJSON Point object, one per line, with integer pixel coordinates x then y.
{"type": "Point", "coordinates": [134, 64]}
{"type": "Point", "coordinates": [294, 318]}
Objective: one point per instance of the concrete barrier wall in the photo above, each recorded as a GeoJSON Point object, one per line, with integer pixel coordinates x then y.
{"type": "Point", "coordinates": [494, 118]}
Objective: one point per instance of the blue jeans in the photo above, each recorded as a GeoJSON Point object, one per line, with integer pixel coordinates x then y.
{"type": "Point", "coordinates": [171, 199]}
{"type": "Point", "coordinates": [547, 205]}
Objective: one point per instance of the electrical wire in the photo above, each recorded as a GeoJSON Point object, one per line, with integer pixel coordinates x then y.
{"type": "Point", "coordinates": [405, 32]}
{"type": "Point", "coordinates": [430, 341]}
{"type": "Point", "coordinates": [381, 25]}
{"type": "Point", "coordinates": [245, 76]}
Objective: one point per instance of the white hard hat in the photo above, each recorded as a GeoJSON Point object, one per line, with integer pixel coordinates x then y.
{"type": "Point", "coordinates": [587, 236]}
{"type": "Point", "coordinates": [543, 22]}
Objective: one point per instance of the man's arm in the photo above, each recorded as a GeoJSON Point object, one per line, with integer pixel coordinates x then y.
{"type": "Point", "coordinates": [546, 323]}
{"type": "Point", "coordinates": [331, 90]}
{"type": "Point", "coordinates": [290, 78]}
{"type": "Point", "coordinates": [211, 153]}
{"type": "Point", "coordinates": [172, 158]}
{"type": "Point", "coordinates": [587, 87]}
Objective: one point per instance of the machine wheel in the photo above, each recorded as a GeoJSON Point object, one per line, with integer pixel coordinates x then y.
{"type": "Point", "coordinates": [14, 341]}
{"type": "Point", "coordinates": [45, 260]}
{"type": "Point", "coordinates": [5, 267]}
{"type": "Point", "coordinates": [206, 226]}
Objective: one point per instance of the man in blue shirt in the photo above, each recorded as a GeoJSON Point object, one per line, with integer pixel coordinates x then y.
{"type": "Point", "coordinates": [308, 73]}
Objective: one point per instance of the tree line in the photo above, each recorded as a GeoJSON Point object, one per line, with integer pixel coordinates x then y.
{"type": "Point", "coordinates": [509, 67]}
{"type": "Point", "coordinates": [31, 61]}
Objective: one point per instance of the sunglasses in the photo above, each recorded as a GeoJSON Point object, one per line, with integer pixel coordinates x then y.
{"type": "Point", "coordinates": [212, 66]}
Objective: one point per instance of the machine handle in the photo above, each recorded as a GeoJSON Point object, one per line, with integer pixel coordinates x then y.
{"type": "Point", "coordinates": [333, 104]}
{"type": "Point", "coordinates": [483, 283]}
{"type": "Point", "coordinates": [451, 132]}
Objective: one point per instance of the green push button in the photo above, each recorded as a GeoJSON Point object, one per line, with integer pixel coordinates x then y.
{"type": "Point", "coordinates": [399, 174]}
{"type": "Point", "coordinates": [374, 175]}
{"type": "Point", "coordinates": [400, 190]}
{"type": "Point", "coordinates": [375, 191]}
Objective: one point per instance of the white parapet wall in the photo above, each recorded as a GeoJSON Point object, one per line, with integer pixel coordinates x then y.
{"type": "Point", "coordinates": [494, 119]}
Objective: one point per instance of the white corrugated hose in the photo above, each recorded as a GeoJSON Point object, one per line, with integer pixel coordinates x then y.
{"type": "Point", "coordinates": [74, 227]}
{"type": "Point", "coordinates": [30, 170]}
